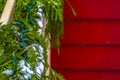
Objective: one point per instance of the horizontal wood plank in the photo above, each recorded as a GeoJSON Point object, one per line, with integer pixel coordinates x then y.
{"type": "Point", "coordinates": [93, 9]}
{"type": "Point", "coordinates": [87, 57]}
{"type": "Point", "coordinates": [91, 32]}
{"type": "Point", "coordinates": [91, 76]}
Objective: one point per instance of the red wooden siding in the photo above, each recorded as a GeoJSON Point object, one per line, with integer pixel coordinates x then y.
{"type": "Point", "coordinates": [88, 57]}
{"type": "Point", "coordinates": [94, 9]}
{"type": "Point", "coordinates": [92, 32]}
{"type": "Point", "coordinates": [90, 49]}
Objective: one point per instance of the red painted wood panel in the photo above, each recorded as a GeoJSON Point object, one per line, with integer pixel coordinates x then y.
{"type": "Point", "coordinates": [87, 57]}
{"type": "Point", "coordinates": [90, 49]}
{"type": "Point", "coordinates": [94, 9]}
{"type": "Point", "coordinates": [95, 32]}
{"type": "Point", "coordinates": [91, 76]}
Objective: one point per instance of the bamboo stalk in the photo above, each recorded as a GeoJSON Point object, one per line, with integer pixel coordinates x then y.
{"type": "Point", "coordinates": [48, 47]}
{"type": "Point", "coordinates": [6, 14]}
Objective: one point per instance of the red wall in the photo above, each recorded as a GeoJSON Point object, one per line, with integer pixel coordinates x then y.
{"type": "Point", "coordinates": [90, 49]}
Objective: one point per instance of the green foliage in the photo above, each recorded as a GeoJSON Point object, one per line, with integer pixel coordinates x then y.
{"type": "Point", "coordinates": [13, 48]}
{"type": "Point", "coordinates": [54, 74]}
{"type": "Point", "coordinates": [53, 11]}
{"type": "Point", "coordinates": [2, 4]}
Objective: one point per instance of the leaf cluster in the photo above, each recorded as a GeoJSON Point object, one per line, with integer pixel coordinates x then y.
{"type": "Point", "coordinates": [2, 4]}
{"type": "Point", "coordinates": [52, 10]}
